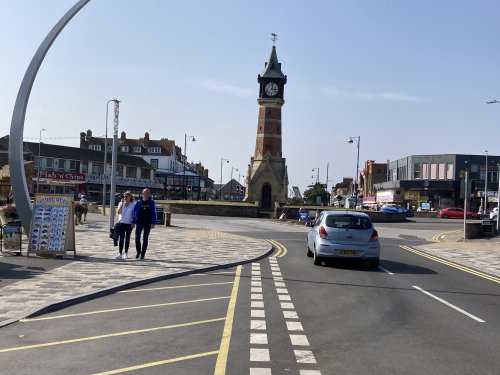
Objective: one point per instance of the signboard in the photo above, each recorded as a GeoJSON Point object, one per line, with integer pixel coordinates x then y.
{"type": "Point", "coordinates": [54, 175]}
{"type": "Point", "coordinates": [53, 225]}
{"type": "Point", "coordinates": [11, 237]}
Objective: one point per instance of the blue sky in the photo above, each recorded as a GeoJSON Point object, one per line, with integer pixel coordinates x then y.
{"type": "Point", "coordinates": [409, 77]}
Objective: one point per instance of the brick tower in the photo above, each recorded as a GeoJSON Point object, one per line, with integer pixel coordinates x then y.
{"type": "Point", "coordinates": [267, 177]}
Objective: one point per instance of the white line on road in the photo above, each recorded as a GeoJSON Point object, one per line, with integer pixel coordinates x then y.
{"type": "Point", "coordinates": [259, 355]}
{"type": "Point", "coordinates": [387, 271]}
{"type": "Point", "coordinates": [299, 340]}
{"type": "Point", "coordinates": [304, 356]}
{"type": "Point", "coordinates": [450, 305]}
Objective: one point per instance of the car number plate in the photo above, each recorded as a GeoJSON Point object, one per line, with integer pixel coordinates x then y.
{"type": "Point", "coordinates": [352, 253]}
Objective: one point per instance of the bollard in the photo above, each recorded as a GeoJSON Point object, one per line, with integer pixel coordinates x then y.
{"type": "Point", "coordinates": [168, 217]}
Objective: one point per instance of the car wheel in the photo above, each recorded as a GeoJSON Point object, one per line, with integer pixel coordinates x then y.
{"type": "Point", "coordinates": [317, 260]}
{"type": "Point", "coordinates": [309, 252]}
{"type": "Point", "coordinates": [444, 216]}
{"type": "Point", "coordinates": [374, 264]}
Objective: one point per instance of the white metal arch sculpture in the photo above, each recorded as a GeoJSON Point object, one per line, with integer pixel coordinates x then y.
{"type": "Point", "coordinates": [16, 160]}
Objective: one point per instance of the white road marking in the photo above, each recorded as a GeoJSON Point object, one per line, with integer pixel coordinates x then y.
{"type": "Point", "coordinates": [257, 314]}
{"type": "Point", "coordinates": [278, 278]}
{"type": "Point", "coordinates": [304, 356]}
{"type": "Point", "coordinates": [450, 305]}
{"type": "Point", "coordinates": [256, 296]}
{"type": "Point", "coordinates": [275, 268]}
{"type": "Point", "coordinates": [258, 338]}
{"type": "Point", "coordinates": [386, 271]}
{"type": "Point", "coordinates": [260, 355]}
{"type": "Point", "coordinates": [257, 304]}
{"type": "Point", "coordinates": [283, 297]}
{"type": "Point", "coordinates": [256, 283]}
{"type": "Point", "coordinates": [258, 324]}
{"type": "Point", "coordinates": [261, 371]}
{"type": "Point", "coordinates": [310, 372]}
{"type": "Point", "coordinates": [256, 290]}
{"type": "Point", "coordinates": [256, 273]}
{"type": "Point", "coordinates": [281, 290]}
{"type": "Point", "coordinates": [279, 284]}
{"type": "Point", "coordinates": [276, 274]}
{"type": "Point", "coordinates": [290, 314]}
{"type": "Point", "coordinates": [287, 305]}
{"type": "Point", "coordinates": [299, 340]}
{"type": "Point", "coordinates": [294, 326]}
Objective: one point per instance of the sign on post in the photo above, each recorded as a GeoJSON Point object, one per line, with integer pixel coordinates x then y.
{"type": "Point", "coordinates": [52, 225]}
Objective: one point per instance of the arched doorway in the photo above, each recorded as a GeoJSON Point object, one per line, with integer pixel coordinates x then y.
{"type": "Point", "coordinates": [266, 196]}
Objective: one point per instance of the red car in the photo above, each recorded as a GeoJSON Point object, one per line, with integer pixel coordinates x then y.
{"type": "Point", "coordinates": [457, 213]}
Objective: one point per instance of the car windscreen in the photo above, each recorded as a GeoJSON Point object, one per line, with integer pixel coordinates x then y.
{"type": "Point", "coordinates": [348, 222]}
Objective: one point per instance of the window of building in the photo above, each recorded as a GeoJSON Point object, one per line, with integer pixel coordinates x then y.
{"type": "Point", "coordinates": [416, 171]}
{"type": "Point", "coordinates": [425, 171]}
{"type": "Point", "coordinates": [145, 174]}
{"type": "Point", "coordinates": [49, 163]}
{"type": "Point", "coordinates": [154, 163]}
{"type": "Point", "coordinates": [85, 166]}
{"type": "Point", "coordinates": [119, 170]}
{"type": "Point", "coordinates": [137, 149]}
{"type": "Point", "coordinates": [72, 165]}
{"type": "Point", "coordinates": [97, 168]}
{"type": "Point", "coordinates": [110, 148]}
{"type": "Point", "coordinates": [95, 147]}
{"type": "Point", "coordinates": [124, 148]}
{"type": "Point", "coordinates": [449, 171]}
{"type": "Point", "coordinates": [154, 150]}
{"type": "Point", "coordinates": [131, 172]}
{"type": "Point", "coordinates": [441, 171]}
{"type": "Point", "coordinates": [433, 171]}
{"type": "Point", "coordinates": [62, 164]}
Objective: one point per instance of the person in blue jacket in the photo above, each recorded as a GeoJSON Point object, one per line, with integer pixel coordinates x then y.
{"type": "Point", "coordinates": [143, 219]}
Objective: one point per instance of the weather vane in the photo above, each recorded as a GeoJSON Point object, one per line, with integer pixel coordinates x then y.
{"type": "Point", "coordinates": [274, 37]}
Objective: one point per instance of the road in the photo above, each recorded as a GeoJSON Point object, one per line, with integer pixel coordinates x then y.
{"type": "Point", "coordinates": [282, 315]}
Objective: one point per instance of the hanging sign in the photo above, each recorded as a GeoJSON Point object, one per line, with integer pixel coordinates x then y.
{"type": "Point", "coordinates": [52, 225]}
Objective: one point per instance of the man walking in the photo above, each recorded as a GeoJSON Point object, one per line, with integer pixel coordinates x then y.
{"type": "Point", "coordinates": [143, 219]}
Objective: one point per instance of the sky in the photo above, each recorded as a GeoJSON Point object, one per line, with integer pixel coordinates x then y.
{"type": "Point", "coordinates": [407, 77]}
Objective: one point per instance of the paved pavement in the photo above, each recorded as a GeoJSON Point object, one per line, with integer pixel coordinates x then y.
{"type": "Point", "coordinates": [171, 251]}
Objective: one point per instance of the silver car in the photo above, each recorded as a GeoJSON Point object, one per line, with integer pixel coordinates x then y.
{"type": "Point", "coordinates": [343, 235]}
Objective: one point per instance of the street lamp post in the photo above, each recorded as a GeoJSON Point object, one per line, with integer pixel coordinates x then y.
{"type": "Point", "coordinates": [231, 193]}
{"type": "Point", "coordinates": [358, 141]}
{"type": "Point", "coordinates": [221, 163]}
{"type": "Point", "coordinates": [317, 174]}
{"type": "Point", "coordinates": [485, 184]}
{"type": "Point", "coordinates": [186, 137]}
{"type": "Point", "coordinates": [114, 163]}
{"type": "Point", "coordinates": [38, 162]}
{"type": "Point", "coordinates": [106, 159]}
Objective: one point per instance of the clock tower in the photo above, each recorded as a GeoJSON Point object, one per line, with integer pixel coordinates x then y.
{"type": "Point", "coordinates": [267, 177]}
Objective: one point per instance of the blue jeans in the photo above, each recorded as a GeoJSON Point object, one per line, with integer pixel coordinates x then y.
{"type": "Point", "coordinates": [138, 231]}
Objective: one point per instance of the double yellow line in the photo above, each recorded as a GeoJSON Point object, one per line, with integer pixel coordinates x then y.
{"type": "Point", "coordinates": [451, 264]}
{"type": "Point", "coordinates": [280, 250]}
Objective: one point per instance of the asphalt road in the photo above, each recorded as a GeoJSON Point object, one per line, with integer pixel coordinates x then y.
{"type": "Point", "coordinates": [282, 315]}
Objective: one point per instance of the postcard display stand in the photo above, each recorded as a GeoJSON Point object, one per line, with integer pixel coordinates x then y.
{"type": "Point", "coordinates": [11, 241]}
{"type": "Point", "coordinates": [52, 225]}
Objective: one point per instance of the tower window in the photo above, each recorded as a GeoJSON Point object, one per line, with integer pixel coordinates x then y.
{"type": "Point", "coordinates": [269, 112]}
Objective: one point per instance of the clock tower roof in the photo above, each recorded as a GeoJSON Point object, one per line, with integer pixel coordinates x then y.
{"type": "Point", "coordinates": [272, 68]}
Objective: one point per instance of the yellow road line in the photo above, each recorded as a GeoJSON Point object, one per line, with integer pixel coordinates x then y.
{"type": "Point", "coordinates": [172, 287]}
{"type": "Point", "coordinates": [452, 264]}
{"type": "Point", "coordinates": [281, 250]}
{"type": "Point", "coordinates": [220, 367]}
{"type": "Point", "coordinates": [99, 337]}
{"type": "Point", "coordinates": [438, 237]}
{"type": "Point", "coordinates": [122, 309]}
{"type": "Point", "coordinates": [158, 363]}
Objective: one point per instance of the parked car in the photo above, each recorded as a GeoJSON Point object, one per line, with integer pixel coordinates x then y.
{"type": "Point", "coordinates": [394, 208]}
{"type": "Point", "coordinates": [457, 213]}
{"type": "Point", "coordinates": [343, 235]}
{"type": "Point", "coordinates": [494, 214]}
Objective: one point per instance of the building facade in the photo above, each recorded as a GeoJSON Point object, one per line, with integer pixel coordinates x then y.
{"type": "Point", "coordinates": [372, 173]}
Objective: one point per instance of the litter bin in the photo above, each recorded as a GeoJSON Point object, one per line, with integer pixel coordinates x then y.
{"type": "Point", "coordinates": [160, 216]}
{"type": "Point", "coordinates": [168, 217]}
{"type": "Point", "coordinates": [487, 228]}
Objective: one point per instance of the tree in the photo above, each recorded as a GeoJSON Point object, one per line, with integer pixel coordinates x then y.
{"type": "Point", "coordinates": [314, 191]}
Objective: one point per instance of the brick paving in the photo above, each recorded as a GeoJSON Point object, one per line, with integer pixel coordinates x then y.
{"type": "Point", "coordinates": [171, 250]}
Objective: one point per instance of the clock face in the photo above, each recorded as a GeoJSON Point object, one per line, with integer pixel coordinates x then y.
{"type": "Point", "coordinates": [271, 89]}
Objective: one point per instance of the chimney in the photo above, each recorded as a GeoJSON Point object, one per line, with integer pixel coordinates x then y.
{"type": "Point", "coordinates": [123, 137]}
{"type": "Point", "coordinates": [82, 140]}
{"type": "Point", "coordinates": [146, 140]}
{"type": "Point", "coordinates": [89, 134]}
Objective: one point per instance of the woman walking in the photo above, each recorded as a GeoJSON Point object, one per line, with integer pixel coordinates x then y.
{"type": "Point", "coordinates": [125, 213]}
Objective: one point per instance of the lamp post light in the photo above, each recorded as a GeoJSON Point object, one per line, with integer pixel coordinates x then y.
{"type": "Point", "coordinates": [317, 174]}
{"type": "Point", "coordinates": [485, 205]}
{"type": "Point", "coordinates": [231, 193]}
{"type": "Point", "coordinates": [358, 141]}
{"type": "Point", "coordinates": [192, 138]}
{"type": "Point", "coordinates": [222, 160]}
{"type": "Point", "coordinates": [106, 159]}
{"type": "Point", "coordinates": [114, 163]}
{"type": "Point", "coordinates": [38, 162]}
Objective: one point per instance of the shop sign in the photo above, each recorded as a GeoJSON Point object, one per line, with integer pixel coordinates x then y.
{"type": "Point", "coordinates": [55, 175]}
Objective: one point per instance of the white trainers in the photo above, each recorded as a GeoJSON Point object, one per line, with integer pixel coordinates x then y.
{"type": "Point", "coordinates": [125, 256]}
{"type": "Point", "coordinates": [119, 256]}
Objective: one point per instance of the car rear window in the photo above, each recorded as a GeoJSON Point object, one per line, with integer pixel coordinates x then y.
{"type": "Point", "coordinates": [348, 222]}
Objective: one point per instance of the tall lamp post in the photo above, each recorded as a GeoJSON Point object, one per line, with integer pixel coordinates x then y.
{"type": "Point", "coordinates": [114, 163]}
{"type": "Point", "coordinates": [485, 184]}
{"type": "Point", "coordinates": [358, 141]}
{"type": "Point", "coordinates": [231, 193]}
{"type": "Point", "coordinates": [38, 162]}
{"type": "Point", "coordinates": [317, 174]}
{"type": "Point", "coordinates": [106, 159]}
{"type": "Point", "coordinates": [222, 160]}
{"type": "Point", "coordinates": [192, 138]}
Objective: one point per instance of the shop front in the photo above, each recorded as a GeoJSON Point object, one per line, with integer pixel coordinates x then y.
{"type": "Point", "coordinates": [54, 182]}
